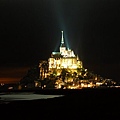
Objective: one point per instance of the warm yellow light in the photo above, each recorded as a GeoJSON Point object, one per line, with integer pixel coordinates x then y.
{"type": "Point", "coordinates": [98, 83]}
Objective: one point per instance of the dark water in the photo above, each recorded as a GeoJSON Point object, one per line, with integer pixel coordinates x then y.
{"type": "Point", "coordinates": [75, 104]}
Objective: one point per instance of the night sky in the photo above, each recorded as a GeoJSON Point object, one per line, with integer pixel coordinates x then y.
{"type": "Point", "coordinates": [31, 29]}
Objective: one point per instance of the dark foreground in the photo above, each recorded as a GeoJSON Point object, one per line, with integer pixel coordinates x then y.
{"type": "Point", "coordinates": [84, 104]}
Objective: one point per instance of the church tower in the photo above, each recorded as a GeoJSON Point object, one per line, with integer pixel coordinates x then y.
{"type": "Point", "coordinates": [62, 46]}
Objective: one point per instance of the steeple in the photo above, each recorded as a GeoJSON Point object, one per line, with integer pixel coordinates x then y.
{"type": "Point", "coordinates": [62, 41]}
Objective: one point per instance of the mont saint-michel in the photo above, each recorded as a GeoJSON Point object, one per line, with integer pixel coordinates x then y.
{"type": "Point", "coordinates": [67, 71]}
{"type": "Point", "coordinates": [63, 70]}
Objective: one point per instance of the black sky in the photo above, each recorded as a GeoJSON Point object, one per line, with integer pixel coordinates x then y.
{"type": "Point", "coordinates": [31, 29]}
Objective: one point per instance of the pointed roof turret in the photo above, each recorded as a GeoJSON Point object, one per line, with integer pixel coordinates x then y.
{"type": "Point", "coordinates": [62, 41]}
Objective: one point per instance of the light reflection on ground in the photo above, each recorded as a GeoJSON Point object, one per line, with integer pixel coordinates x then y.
{"type": "Point", "coordinates": [25, 96]}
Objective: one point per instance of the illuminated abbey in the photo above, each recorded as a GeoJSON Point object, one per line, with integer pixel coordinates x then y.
{"type": "Point", "coordinates": [64, 70]}
{"type": "Point", "coordinates": [65, 58]}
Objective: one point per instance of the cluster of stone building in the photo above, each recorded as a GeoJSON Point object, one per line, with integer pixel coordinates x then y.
{"type": "Point", "coordinates": [67, 60]}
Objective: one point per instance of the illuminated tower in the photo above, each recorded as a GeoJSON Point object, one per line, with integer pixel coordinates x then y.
{"type": "Point", "coordinates": [62, 40]}
{"type": "Point", "coordinates": [62, 46]}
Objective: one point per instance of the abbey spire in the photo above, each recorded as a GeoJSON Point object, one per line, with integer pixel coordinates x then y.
{"type": "Point", "coordinates": [62, 40]}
